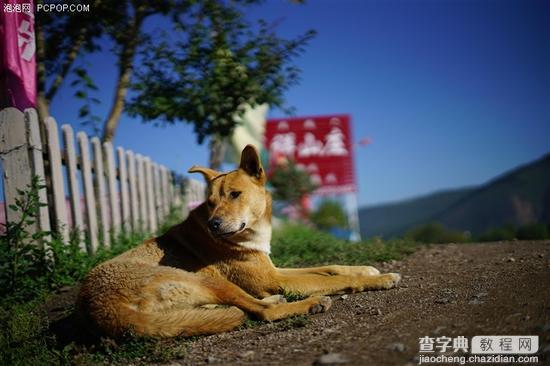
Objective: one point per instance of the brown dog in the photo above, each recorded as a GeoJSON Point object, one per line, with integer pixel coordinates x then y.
{"type": "Point", "coordinates": [219, 255]}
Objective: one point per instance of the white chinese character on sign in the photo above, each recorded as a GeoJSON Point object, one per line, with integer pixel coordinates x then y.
{"type": "Point", "coordinates": [331, 178]}
{"type": "Point", "coordinates": [25, 40]}
{"type": "Point", "coordinates": [309, 124]}
{"type": "Point", "coordinates": [334, 145]}
{"type": "Point", "coordinates": [460, 343]}
{"type": "Point", "coordinates": [310, 147]}
{"type": "Point", "coordinates": [283, 143]}
{"type": "Point", "coordinates": [283, 125]}
{"type": "Point", "coordinates": [26, 8]}
{"type": "Point", "coordinates": [313, 170]}
{"type": "Point", "coordinates": [17, 8]}
{"type": "Point", "coordinates": [443, 343]}
{"type": "Point", "coordinates": [8, 8]}
{"type": "Point", "coordinates": [316, 179]}
{"type": "Point", "coordinates": [426, 344]}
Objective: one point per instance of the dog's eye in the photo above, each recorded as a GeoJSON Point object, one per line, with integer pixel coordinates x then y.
{"type": "Point", "coordinates": [234, 194]}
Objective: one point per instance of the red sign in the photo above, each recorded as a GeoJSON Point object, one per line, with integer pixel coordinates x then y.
{"type": "Point", "coordinates": [320, 145]}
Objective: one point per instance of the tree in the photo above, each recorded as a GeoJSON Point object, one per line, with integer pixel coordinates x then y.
{"type": "Point", "coordinates": [290, 184]}
{"type": "Point", "coordinates": [213, 67]}
{"type": "Point", "coordinates": [63, 38]}
{"type": "Point", "coordinates": [205, 72]}
{"type": "Point", "coordinates": [328, 215]}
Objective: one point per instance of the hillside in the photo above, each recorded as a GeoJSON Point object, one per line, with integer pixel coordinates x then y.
{"type": "Point", "coordinates": [395, 218]}
{"type": "Point", "coordinates": [518, 197]}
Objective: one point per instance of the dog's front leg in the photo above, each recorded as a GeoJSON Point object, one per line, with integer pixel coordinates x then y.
{"type": "Point", "coordinates": [332, 270]}
{"type": "Point", "coordinates": [271, 308]}
{"type": "Point", "coordinates": [306, 282]}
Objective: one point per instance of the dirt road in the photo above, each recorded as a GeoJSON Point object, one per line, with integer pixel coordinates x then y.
{"type": "Point", "coordinates": [447, 290]}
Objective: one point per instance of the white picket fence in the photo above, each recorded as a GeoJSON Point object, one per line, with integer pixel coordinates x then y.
{"type": "Point", "coordinates": [134, 195]}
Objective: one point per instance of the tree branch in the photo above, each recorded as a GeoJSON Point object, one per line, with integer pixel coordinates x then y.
{"type": "Point", "coordinates": [71, 56]}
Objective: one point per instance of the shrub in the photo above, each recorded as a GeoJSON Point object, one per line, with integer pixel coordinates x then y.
{"type": "Point", "coordinates": [436, 233]}
{"type": "Point", "coordinates": [329, 214]}
{"type": "Point", "coordinates": [533, 232]}
{"type": "Point", "coordinates": [507, 232]}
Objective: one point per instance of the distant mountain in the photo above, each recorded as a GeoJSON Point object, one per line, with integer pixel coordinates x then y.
{"type": "Point", "coordinates": [394, 219]}
{"type": "Point", "coordinates": [518, 197]}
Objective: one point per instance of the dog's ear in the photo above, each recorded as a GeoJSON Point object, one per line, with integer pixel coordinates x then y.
{"type": "Point", "coordinates": [251, 164]}
{"type": "Point", "coordinates": [207, 173]}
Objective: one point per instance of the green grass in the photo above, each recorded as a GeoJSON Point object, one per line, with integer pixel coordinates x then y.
{"type": "Point", "coordinates": [300, 246]}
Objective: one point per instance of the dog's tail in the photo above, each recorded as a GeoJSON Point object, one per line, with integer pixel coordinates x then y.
{"type": "Point", "coordinates": [186, 322]}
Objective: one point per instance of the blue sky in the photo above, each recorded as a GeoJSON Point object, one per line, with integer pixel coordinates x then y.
{"type": "Point", "coordinates": [452, 93]}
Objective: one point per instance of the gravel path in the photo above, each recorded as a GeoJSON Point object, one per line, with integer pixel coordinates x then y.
{"type": "Point", "coordinates": [447, 290]}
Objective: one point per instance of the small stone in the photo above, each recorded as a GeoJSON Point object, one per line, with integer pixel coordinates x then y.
{"type": "Point", "coordinates": [541, 255]}
{"type": "Point", "coordinates": [511, 259]}
{"type": "Point", "coordinates": [438, 330]}
{"type": "Point", "coordinates": [211, 359]}
{"type": "Point", "coordinates": [331, 359]}
{"type": "Point", "coordinates": [397, 347]}
{"type": "Point", "coordinates": [247, 354]}
{"type": "Point", "coordinates": [343, 297]}
{"type": "Point", "coordinates": [526, 318]}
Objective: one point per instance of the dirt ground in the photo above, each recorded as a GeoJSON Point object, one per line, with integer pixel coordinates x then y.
{"type": "Point", "coordinates": [447, 290]}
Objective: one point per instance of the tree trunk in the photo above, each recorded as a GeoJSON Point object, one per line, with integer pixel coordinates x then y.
{"type": "Point", "coordinates": [125, 68]}
{"type": "Point", "coordinates": [41, 100]}
{"type": "Point", "coordinates": [217, 152]}
{"type": "Point", "coordinates": [111, 124]}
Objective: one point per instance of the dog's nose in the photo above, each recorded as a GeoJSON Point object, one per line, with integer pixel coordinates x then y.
{"type": "Point", "coordinates": [214, 224]}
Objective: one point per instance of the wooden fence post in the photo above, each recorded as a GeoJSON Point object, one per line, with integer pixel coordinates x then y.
{"type": "Point", "coordinates": [124, 196]}
{"type": "Point", "coordinates": [142, 193]}
{"type": "Point", "coordinates": [134, 203]}
{"type": "Point", "coordinates": [74, 189]}
{"type": "Point", "coordinates": [21, 155]}
{"type": "Point", "coordinates": [91, 213]}
{"type": "Point", "coordinates": [58, 185]}
{"type": "Point", "coordinates": [100, 189]}
{"type": "Point", "coordinates": [111, 184]}
{"type": "Point", "coordinates": [150, 195]}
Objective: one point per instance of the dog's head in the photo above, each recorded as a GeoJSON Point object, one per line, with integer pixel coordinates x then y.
{"type": "Point", "coordinates": [237, 201]}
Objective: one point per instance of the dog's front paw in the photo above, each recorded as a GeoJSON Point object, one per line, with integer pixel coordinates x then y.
{"type": "Point", "coordinates": [390, 280]}
{"type": "Point", "coordinates": [321, 304]}
{"type": "Point", "coordinates": [368, 271]}
{"type": "Point", "coordinates": [275, 299]}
